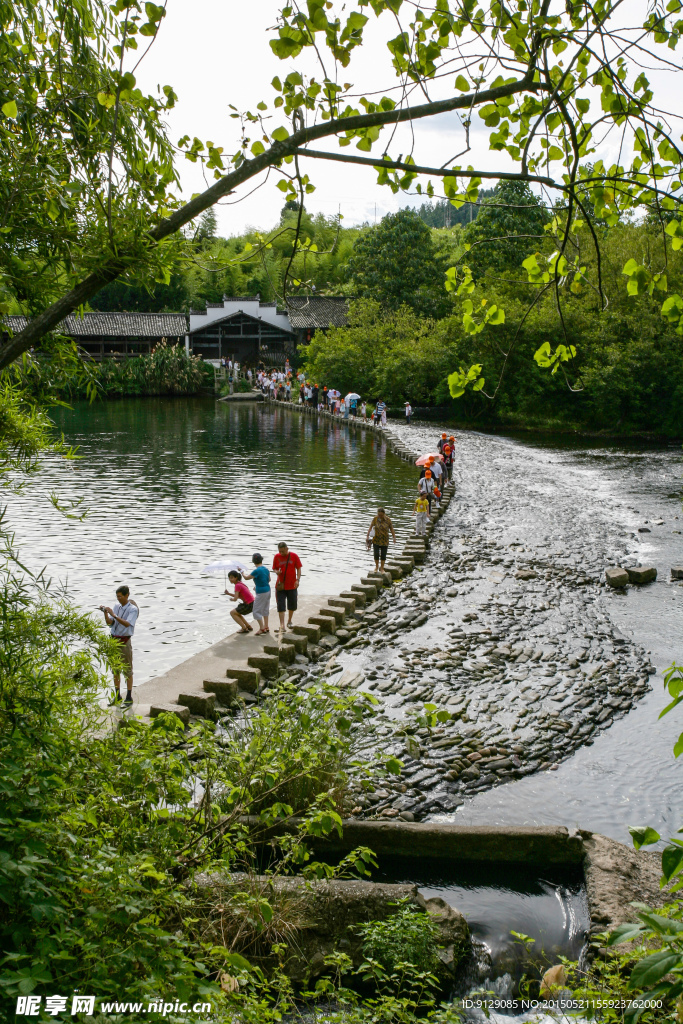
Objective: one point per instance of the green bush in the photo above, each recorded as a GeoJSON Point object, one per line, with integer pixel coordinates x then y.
{"type": "Point", "coordinates": [408, 936]}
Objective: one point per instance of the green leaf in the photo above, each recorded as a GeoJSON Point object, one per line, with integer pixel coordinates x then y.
{"type": "Point", "coordinates": [672, 861]}
{"type": "Point", "coordinates": [652, 968]}
{"type": "Point", "coordinates": [258, 148]}
{"type": "Point", "coordinates": [280, 134]}
{"type": "Point", "coordinates": [625, 933]}
{"type": "Point", "coordinates": [462, 84]}
{"type": "Point", "coordinates": [643, 835]}
{"type": "Point", "coordinates": [9, 109]}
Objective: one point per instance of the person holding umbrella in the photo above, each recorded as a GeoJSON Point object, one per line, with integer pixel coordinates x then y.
{"type": "Point", "coordinates": [352, 400]}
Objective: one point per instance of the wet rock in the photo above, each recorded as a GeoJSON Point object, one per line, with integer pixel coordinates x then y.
{"type": "Point", "coordinates": [616, 578]}
{"type": "Point", "coordinates": [642, 574]}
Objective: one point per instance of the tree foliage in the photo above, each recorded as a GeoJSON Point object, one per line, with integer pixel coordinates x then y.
{"type": "Point", "coordinates": [85, 165]}
{"type": "Point", "coordinates": [396, 263]}
{"type": "Point", "coordinates": [551, 86]}
{"type": "Point", "coordinates": [511, 224]}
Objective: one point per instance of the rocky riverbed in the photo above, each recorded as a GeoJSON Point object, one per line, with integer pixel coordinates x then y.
{"type": "Point", "coordinates": [506, 626]}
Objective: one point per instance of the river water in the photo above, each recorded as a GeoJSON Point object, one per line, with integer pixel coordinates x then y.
{"type": "Point", "coordinates": [172, 484]}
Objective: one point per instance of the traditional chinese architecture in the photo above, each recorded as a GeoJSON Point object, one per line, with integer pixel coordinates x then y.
{"type": "Point", "coordinates": [243, 329]}
{"type": "Point", "coordinates": [117, 335]}
{"type": "Point", "coordinates": [252, 331]}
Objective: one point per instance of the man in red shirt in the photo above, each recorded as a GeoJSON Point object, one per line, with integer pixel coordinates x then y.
{"type": "Point", "coordinates": [287, 565]}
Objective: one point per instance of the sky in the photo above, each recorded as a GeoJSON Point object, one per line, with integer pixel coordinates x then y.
{"type": "Point", "coordinates": [215, 53]}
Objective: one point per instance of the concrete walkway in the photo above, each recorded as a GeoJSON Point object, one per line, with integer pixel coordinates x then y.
{"type": "Point", "coordinates": [238, 666]}
{"type": "Point", "coordinates": [232, 653]}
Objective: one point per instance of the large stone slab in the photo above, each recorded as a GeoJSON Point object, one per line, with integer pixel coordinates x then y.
{"type": "Point", "coordinates": [359, 599]}
{"type": "Point", "coordinates": [224, 689]}
{"type": "Point", "coordinates": [268, 664]}
{"type": "Point", "coordinates": [326, 623]}
{"type": "Point", "coordinates": [202, 704]}
{"type": "Point", "coordinates": [170, 709]}
{"type": "Point", "coordinates": [616, 577]}
{"type": "Point", "coordinates": [642, 574]}
{"type": "Point", "coordinates": [347, 604]}
{"type": "Point", "coordinates": [518, 844]}
{"type": "Point", "coordinates": [310, 632]}
{"type": "Point", "coordinates": [285, 652]}
{"type": "Point", "coordinates": [248, 678]}
{"type": "Point", "coordinates": [338, 614]}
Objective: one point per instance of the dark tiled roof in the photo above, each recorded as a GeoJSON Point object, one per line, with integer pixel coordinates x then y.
{"type": "Point", "coordinates": [320, 311]}
{"type": "Point", "coordinates": [115, 325]}
{"type": "Point", "coordinates": [238, 315]}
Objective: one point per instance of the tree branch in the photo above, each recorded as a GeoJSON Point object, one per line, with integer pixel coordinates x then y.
{"type": "Point", "coordinates": [50, 318]}
{"type": "Point", "coordinates": [440, 172]}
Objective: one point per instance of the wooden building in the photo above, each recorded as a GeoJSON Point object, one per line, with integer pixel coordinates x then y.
{"type": "Point", "coordinates": [243, 329]}
{"type": "Point", "coordinates": [117, 335]}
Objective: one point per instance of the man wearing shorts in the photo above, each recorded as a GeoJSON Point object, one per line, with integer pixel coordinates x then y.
{"type": "Point", "coordinates": [381, 525]}
{"type": "Point", "coordinates": [287, 566]}
{"type": "Point", "coordinates": [121, 620]}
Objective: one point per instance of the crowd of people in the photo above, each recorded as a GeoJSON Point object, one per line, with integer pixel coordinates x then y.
{"type": "Point", "coordinates": [285, 386]}
{"type": "Point", "coordinates": [436, 470]}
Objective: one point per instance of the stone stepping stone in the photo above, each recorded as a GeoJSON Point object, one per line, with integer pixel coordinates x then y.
{"type": "Point", "coordinates": [178, 710]}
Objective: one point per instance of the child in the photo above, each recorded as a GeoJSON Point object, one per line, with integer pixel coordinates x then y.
{"type": "Point", "coordinates": [421, 515]}
{"type": "Point", "coordinates": [244, 595]}
{"type": "Point", "coordinates": [363, 410]}
{"type": "Point", "coordinates": [437, 496]}
{"type": "Point", "coordinates": [261, 577]}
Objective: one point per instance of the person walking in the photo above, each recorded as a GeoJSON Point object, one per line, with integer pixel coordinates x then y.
{"type": "Point", "coordinates": [261, 577]}
{"type": "Point", "coordinates": [421, 515]}
{"type": "Point", "coordinates": [426, 487]}
{"type": "Point", "coordinates": [409, 413]}
{"type": "Point", "coordinates": [243, 594]}
{"type": "Point", "coordinates": [287, 566]}
{"type": "Point", "coordinates": [364, 409]}
{"type": "Point", "coordinates": [448, 461]}
{"type": "Point", "coordinates": [437, 472]}
{"type": "Point", "coordinates": [379, 530]}
{"type": "Point", "coordinates": [121, 620]}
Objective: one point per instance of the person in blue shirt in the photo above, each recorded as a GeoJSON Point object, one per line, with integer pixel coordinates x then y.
{"type": "Point", "coordinates": [261, 577]}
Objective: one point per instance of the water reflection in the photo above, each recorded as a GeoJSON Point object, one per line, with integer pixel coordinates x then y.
{"type": "Point", "coordinates": [172, 484]}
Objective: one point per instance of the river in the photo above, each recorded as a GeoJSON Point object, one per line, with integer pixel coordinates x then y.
{"type": "Point", "coordinates": [173, 484]}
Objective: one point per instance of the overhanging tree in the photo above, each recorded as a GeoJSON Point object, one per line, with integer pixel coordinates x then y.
{"type": "Point", "coordinates": [553, 83]}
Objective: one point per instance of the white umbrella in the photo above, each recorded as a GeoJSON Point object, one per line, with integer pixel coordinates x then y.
{"type": "Point", "coordinates": [226, 565]}
{"type": "Point", "coordinates": [352, 394]}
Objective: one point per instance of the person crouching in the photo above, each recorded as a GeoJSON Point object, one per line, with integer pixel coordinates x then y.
{"type": "Point", "coordinates": [245, 597]}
